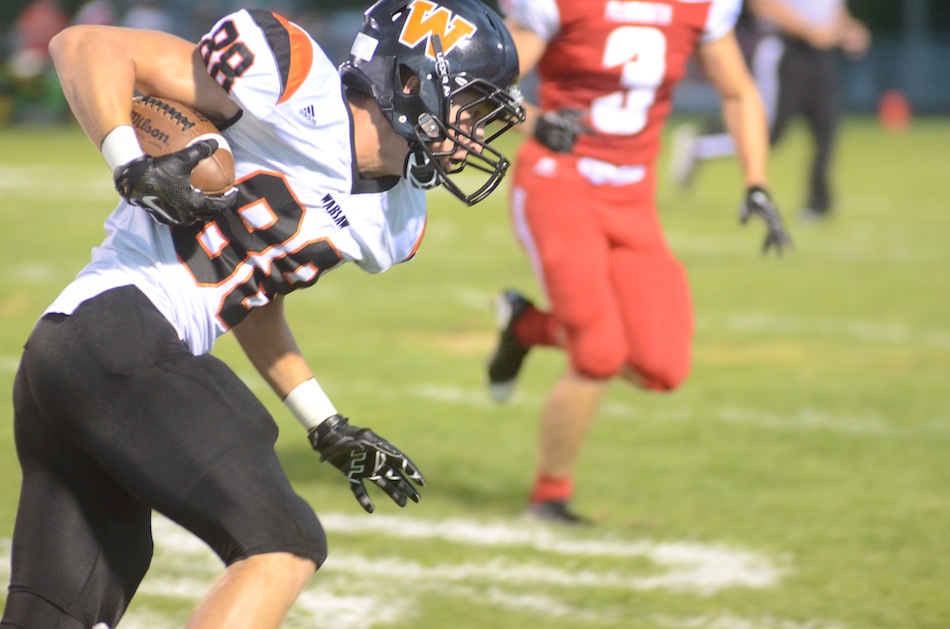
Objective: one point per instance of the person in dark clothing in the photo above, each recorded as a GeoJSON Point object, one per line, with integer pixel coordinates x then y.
{"type": "Point", "coordinates": [795, 64]}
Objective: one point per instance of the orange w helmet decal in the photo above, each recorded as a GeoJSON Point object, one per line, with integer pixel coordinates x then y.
{"type": "Point", "coordinates": [427, 19]}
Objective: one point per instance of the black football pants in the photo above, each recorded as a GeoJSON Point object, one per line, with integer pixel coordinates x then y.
{"type": "Point", "coordinates": [808, 86]}
{"type": "Point", "coordinates": [114, 417]}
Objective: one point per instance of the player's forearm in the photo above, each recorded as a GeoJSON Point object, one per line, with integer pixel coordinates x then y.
{"type": "Point", "coordinates": [745, 120]}
{"type": "Point", "coordinates": [742, 111]}
{"type": "Point", "coordinates": [269, 344]}
{"type": "Point", "coordinates": [266, 338]}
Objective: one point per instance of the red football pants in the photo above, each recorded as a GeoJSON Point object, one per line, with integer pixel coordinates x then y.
{"type": "Point", "coordinates": [616, 291]}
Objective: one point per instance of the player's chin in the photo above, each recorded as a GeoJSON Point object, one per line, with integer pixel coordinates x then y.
{"type": "Point", "coordinates": [453, 164]}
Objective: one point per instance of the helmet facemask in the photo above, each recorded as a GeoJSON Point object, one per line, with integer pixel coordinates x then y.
{"type": "Point", "coordinates": [445, 73]}
{"type": "Point", "coordinates": [474, 114]}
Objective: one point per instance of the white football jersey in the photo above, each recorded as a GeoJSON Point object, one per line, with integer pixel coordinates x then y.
{"type": "Point", "coordinates": [303, 208]}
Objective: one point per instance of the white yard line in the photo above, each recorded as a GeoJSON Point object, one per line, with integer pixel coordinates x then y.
{"type": "Point", "coordinates": [697, 568]}
{"type": "Point", "coordinates": [805, 419]}
{"type": "Point", "coordinates": [857, 329]}
{"type": "Point", "coordinates": [735, 622]}
{"type": "Point", "coordinates": [348, 592]}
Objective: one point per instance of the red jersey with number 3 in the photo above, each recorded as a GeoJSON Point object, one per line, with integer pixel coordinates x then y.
{"type": "Point", "coordinates": [618, 61]}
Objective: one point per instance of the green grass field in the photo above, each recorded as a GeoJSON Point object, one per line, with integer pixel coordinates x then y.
{"type": "Point", "coordinates": [800, 479]}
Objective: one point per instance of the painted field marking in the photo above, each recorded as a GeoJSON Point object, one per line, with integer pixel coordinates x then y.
{"type": "Point", "coordinates": [42, 180]}
{"type": "Point", "coordinates": [806, 419]}
{"type": "Point", "coordinates": [683, 567]}
{"type": "Point", "coordinates": [345, 594]}
{"type": "Point", "coordinates": [342, 592]}
{"type": "Point", "coordinates": [857, 329]}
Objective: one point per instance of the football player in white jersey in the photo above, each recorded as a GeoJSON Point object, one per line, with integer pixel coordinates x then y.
{"type": "Point", "coordinates": [119, 407]}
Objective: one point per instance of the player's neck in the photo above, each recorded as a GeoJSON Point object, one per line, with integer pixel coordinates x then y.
{"type": "Point", "coordinates": [380, 151]}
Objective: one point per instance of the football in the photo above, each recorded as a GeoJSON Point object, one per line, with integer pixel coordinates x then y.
{"type": "Point", "coordinates": [164, 126]}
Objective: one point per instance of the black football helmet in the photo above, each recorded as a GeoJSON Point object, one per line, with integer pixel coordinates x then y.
{"type": "Point", "coordinates": [461, 55]}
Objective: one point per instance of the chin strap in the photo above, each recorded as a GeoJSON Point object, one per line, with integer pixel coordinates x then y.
{"type": "Point", "coordinates": [420, 170]}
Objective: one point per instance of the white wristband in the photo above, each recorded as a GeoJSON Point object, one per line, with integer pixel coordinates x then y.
{"type": "Point", "coordinates": [120, 146]}
{"type": "Point", "coordinates": [309, 404]}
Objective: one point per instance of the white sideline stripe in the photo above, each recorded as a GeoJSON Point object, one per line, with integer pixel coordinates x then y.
{"type": "Point", "coordinates": [193, 567]}
{"type": "Point", "coordinates": [685, 567]}
{"type": "Point", "coordinates": [56, 183]}
{"type": "Point", "coordinates": [735, 622]}
{"type": "Point", "coordinates": [705, 579]}
{"type": "Point", "coordinates": [343, 597]}
{"type": "Point", "coordinates": [541, 604]}
{"type": "Point", "coordinates": [889, 333]}
{"type": "Point", "coordinates": [877, 246]}
{"type": "Point", "coordinates": [804, 420]}
{"type": "Point", "coordinates": [453, 395]}
{"type": "Point", "coordinates": [38, 272]}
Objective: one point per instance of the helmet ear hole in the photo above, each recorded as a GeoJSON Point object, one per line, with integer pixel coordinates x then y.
{"type": "Point", "coordinates": [409, 80]}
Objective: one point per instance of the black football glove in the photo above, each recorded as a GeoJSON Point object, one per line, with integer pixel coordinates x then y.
{"type": "Point", "coordinates": [558, 130]}
{"type": "Point", "coordinates": [758, 202]}
{"type": "Point", "coordinates": [362, 455]}
{"type": "Point", "coordinates": [162, 185]}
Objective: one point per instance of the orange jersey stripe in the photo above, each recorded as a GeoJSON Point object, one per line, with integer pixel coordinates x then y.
{"type": "Point", "coordinates": [301, 58]}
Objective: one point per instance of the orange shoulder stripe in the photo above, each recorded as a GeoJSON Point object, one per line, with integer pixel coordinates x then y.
{"type": "Point", "coordinates": [301, 58]}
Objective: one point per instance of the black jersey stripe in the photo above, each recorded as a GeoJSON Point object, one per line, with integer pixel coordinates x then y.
{"type": "Point", "coordinates": [279, 41]}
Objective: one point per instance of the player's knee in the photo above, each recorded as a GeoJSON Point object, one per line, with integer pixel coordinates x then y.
{"type": "Point", "coordinates": [294, 531]}
{"type": "Point", "coordinates": [661, 379]}
{"type": "Point", "coordinates": [290, 566]}
{"type": "Point", "coordinates": [597, 358]}
{"type": "Point", "coordinates": [308, 540]}
{"type": "Point", "coordinates": [318, 542]}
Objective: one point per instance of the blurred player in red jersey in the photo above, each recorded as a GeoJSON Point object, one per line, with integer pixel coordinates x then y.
{"type": "Point", "coordinates": [583, 206]}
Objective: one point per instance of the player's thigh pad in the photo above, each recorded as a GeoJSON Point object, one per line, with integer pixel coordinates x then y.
{"type": "Point", "coordinates": [183, 432]}
{"type": "Point", "coordinates": [570, 255]}
{"type": "Point", "coordinates": [653, 291]}
{"type": "Point", "coordinates": [81, 543]}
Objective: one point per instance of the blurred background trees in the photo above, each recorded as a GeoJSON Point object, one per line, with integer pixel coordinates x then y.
{"type": "Point", "coordinates": [908, 54]}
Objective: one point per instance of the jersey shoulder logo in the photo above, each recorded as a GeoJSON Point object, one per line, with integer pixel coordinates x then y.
{"type": "Point", "coordinates": [427, 19]}
{"type": "Point", "coordinates": [309, 114]}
